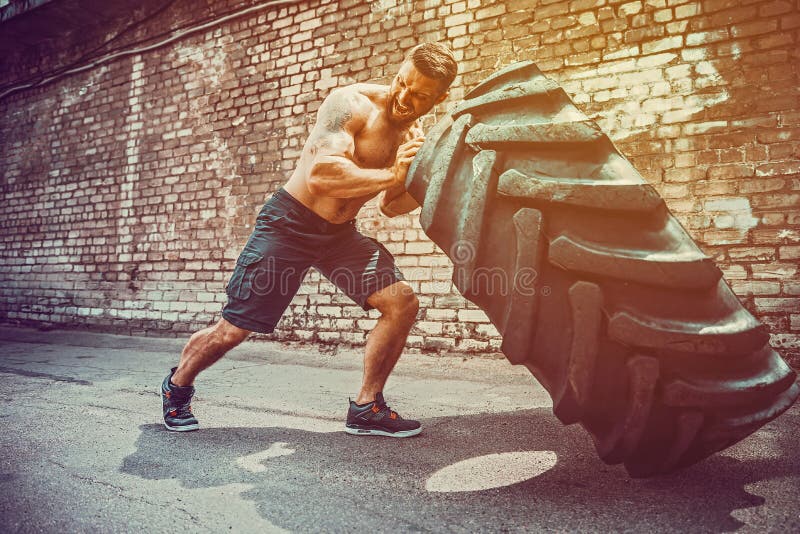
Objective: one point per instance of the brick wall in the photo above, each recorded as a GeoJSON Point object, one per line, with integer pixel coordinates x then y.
{"type": "Point", "coordinates": [129, 189]}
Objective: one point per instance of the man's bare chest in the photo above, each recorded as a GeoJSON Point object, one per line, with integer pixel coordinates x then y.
{"type": "Point", "coordinates": [376, 148]}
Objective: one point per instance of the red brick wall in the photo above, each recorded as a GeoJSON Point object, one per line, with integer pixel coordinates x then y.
{"type": "Point", "coordinates": [129, 189]}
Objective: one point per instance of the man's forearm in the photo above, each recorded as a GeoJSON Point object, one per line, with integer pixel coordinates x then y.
{"type": "Point", "coordinates": [398, 205]}
{"type": "Point", "coordinates": [338, 177]}
{"type": "Point", "coordinates": [393, 192]}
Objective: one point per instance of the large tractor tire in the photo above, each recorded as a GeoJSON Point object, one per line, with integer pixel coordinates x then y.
{"type": "Point", "coordinates": [595, 287]}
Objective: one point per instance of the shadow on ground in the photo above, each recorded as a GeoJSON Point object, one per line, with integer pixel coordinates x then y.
{"type": "Point", "coordinates": [333, 481]}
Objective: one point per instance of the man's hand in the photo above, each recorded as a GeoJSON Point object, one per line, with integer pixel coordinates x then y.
{"type": "Point", "coordinates": [395, 200]}
{"type": "Point", "coordinates": [415, 130]}
{"type": "Point", "coordinates": [405, 155]}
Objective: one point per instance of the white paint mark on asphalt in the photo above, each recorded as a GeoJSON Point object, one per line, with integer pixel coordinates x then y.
{"type": "Point", "coordinates": [491, 471]}
{"type": "Point", "coordinates": [252, 462]}
{"type": "Point", "coordinates": [216, 505]}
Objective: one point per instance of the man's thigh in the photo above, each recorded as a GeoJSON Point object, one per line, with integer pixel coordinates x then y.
{"type": "Point", "coordinates": [268, 273]}
{"type": "Point", "coordinates": [359, 266]}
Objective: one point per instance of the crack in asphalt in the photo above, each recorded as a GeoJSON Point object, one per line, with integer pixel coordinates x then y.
{"type": "Point", "coordinates": [81, 477]}
{"type": "Point", "coordinates": [120, 490]}
{"type": "Point", "coordinates": [123, 345]}
{"type": "Point", "coordinates": [82, 405]}
{"type": "Point", "coordinates": [426, 369]}
{"type": "Point", "coordinates": [253, 409]}
{"type": "Point", "coordinates": [78, 366]}
{"type": "Point", "coordinates": [47, 376]}
{"type": "Point", "coordinates": [239, 368]}
{"type": "Point", "coordinates": [235, 405]}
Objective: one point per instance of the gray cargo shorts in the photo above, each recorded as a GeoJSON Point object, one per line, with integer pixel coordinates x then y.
{"type": "Point", "coordinates": [289, 239]}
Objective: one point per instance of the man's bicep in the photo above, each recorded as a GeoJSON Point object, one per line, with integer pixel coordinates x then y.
{"type": "Point", "coordinates": [337, 125]}
{"type": "Point", "coordinates": [326, 143]}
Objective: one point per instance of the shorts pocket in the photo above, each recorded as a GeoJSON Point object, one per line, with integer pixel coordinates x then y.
{"type": "Point", "coordinates": [241, 283]}
{"type": "Point", "coordinates": [272, 217]}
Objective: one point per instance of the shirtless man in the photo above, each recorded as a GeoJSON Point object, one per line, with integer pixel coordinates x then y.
{"type": "Point", "coordinates": [364, 140]}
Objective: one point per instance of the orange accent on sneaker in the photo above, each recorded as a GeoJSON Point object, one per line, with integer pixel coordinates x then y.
{"type": "Point", "coordinates": [393, 415]}
{"type": "Point", "coordinates": [375, 409]}
{"type": "Point", "coordinates": [173, 413]}
{"type": "Point", "coordinates": [167, 394]}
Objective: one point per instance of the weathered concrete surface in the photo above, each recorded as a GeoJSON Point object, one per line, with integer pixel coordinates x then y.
{"type": "Point", "coordinates": [83, 449]}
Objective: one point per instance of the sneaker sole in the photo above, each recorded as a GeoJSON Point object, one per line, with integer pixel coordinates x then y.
{"type": "Point", "coordinates": [370, 432]}
{"type": "Point", "coordinates": [186, 428]}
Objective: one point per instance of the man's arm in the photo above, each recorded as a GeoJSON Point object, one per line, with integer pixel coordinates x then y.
{"type": "Point", "coordinates": [333, 171]}
{"type": "Point", "coordinates": [396, 200]}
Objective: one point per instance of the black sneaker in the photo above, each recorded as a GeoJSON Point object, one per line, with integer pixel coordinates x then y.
{"type": "Point", "coordinates": [176, 401]}
{"type": "Point", "coordinates": [376, 419]}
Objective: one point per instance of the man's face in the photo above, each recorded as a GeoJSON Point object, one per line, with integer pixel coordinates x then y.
{"type": "Point", "coordinates": [412, 94]}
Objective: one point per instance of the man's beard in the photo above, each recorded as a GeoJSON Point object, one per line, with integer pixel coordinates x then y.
{"type": "Point", "coordinates": [396, 115]}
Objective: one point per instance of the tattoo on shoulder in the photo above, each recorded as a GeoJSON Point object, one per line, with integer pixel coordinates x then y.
{"type": "Point", "coordinates": [338, 114]}
{"type": "Point", "coordinates": [336, 121]}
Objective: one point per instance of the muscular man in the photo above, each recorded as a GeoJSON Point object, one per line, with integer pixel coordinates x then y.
{"type": "Point", "coordinates": [364, 140]}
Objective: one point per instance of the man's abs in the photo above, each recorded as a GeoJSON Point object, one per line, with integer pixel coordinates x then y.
{"type": "Point", "coordinates": [334, 210]}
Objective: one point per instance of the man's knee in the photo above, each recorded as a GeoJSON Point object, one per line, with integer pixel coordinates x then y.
{"type": "Point", "coordinates": [228, 335]}
{"type": "Point", "coordinates": [411, 306]}
{"type": "Point", "coordinates": [398, 301]}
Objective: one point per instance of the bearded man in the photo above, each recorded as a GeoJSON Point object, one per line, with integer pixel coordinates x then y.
{"type": "Point", "coordinates": [362, 144]}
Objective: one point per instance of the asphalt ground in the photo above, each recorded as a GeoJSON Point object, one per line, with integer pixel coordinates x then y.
{"type": "Point", "coordinates": [83, 448]}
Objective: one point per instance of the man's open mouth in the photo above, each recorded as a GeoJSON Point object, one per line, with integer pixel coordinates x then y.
{"type": "Point", "coordinates": [400, 110]}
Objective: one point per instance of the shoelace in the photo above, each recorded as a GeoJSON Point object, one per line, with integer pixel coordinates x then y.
{"type": "Point", "coordinates": [180, 405]}
{"type": "Point", "coordinates": [379, 409]}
